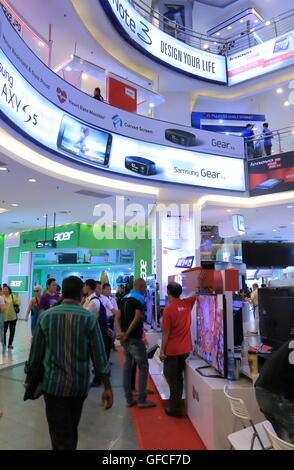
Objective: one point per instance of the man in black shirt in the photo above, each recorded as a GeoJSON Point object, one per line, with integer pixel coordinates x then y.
{"type": "Point", "coordinates": [275, 391]}
{"type": "Point", "coordinates": [129, 325]}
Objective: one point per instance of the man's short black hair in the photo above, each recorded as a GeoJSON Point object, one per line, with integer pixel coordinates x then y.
{"type": "Point", "coordinates": [106, 285]}
{"type": "Point", "coordinates": [49, 281]}
{"type": "Point", "coordinates": [72, 288]}
{"type": "Point", "coordinates": [98, 282]}
{"type": "Point", "coordinates": [265, 124]}
{"type": "Point", "coordinates": [91, 283]}
{"type": "Point", "coordinates": [174, 289]}
{"type": "Point", "coordinates": [248, 125]}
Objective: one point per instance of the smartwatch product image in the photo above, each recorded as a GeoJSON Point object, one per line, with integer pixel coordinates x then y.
{"type": "Point", "coordinates": [177, 136]}
{"type": "Point", "coordinates": [140, 165]}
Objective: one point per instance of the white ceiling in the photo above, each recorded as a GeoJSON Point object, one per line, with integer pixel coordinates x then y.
{"type": "Point", "coordinates": [218, 3]}
{"type": "Point", "coordinates": [261, 220]}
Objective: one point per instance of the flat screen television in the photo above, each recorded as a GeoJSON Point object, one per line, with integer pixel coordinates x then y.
{"type": "Point", "coordinates": [276, 315]}
{"type": "Point", "coordinates": [264, 255]}
{"type": "Point", "coordinates": [211, 331]}
{"type": "Point", "coordinates": [67, 258]}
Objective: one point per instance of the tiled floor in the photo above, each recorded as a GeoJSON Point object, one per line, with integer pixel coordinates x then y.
{"type": "Point", "coordinates": [24, 426]}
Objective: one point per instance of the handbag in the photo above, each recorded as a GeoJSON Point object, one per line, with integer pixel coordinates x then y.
{"type": "Point", "coordinates": [34, 382]}
{"type": "Point", "coordinates": [15, 306]}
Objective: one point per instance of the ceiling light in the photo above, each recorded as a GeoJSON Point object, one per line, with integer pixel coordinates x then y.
{"type": "Point", "coordinates": [241, 21]}
{"type": "Point", "coordinates": [218, 34]}
{"type": "Point", "coordinates": [274, 230]}
{"type": "Point", "coordinates": [205, 46]}
{"type": "Point", "coordinates": [3, 210]}
{"type": "Point", "coordinates": [32, 180]}
{"type": "Point", "coordinates": [290, 207]}
{"type": "Point", "coordinates": [68, 68]}
{"type": "Point", "coordinates": [292, 223]}
{"type": "Point", "coordinates": [279, 90]}
{"type": "Point", "coordinates": [84, 76]}
{"type": "Point", "coordinates": [151, 105]}
{"type": "Point", "coordinates": [41, 44]}
{"type": "Point", "coordinates": [15, 205]}
{"type": "Point", "coordinates": [220, 121]}
{"type": "Point", "coordinates": [3, 168]}
{"type": "Point", "coordinates": [255, 21]}
{"type": "Point", "coordinates": [229, 210]}
{"type": "Point", "coordinates": [267, 23]}
{"type": "Point", "coordinates": [287, 103]}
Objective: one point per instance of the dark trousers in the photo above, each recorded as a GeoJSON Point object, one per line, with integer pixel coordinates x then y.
{"type": "Point", "coordinates": [107, 340]}
{"type": "Point", "coordinates": [12, 326]}
{"type": "Point", "coordinates": [268, 149]}
{"type": "Point", "coordinates": [173, 369]}
{"type": "Point", "coordinates": [63, 416]}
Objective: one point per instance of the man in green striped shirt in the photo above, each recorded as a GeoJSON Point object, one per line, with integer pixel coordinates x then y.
{"type": "Point", "coordinates": [66, 339]}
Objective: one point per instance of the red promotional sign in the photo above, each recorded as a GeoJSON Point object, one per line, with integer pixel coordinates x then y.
{"type": "Point", "coordinates": [121, 95]}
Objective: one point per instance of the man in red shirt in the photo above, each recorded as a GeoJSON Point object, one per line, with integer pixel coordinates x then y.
{"type": "Point", "coordinates": [176, 344]}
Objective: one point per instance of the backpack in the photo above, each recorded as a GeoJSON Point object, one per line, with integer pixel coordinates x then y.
{"type": "Point", "coordinates": [102, 319]}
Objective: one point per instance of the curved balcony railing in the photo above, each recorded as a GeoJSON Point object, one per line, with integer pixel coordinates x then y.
{"type": "Point", "coordinates": [272, 28]}
{"type": "Point", "coordinates": [282, 141]}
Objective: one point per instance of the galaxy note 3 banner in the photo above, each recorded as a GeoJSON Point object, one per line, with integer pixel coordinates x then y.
{"type": "Point", "coordinates": [75, 139]}
{"type": "Point", "coordinates": [163, 47]}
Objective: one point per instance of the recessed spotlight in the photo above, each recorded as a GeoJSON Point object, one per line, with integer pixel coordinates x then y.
{"type": "Point", "coordinates": [3, 168]}
{"type": "Point", "coordinates": [228, 210]}
{"type": "Point", "coordinates": [290, 207]}
{"type": "Point", "coordinates": [41, 44]}
{"type": "Point", "coordinates": [292, 223]}
{"type": "Point", "coordinates": [287, 103]}
{"type": "Point", "coordinates": [218, 34]}
{"type": "Point", "coordinates": [267, 23]}
{"type": "Point", "coordinates": [221, 121]}
{"type": "Point", "coordinates": [15, 205]}
{"type": "Point", "coordinates": [84, 76]}
{"type": "Point", "coordinates": [241, 21]}
{"type": "Point", "coordinates": [151, 105]}
{"type": "Point", "coordinates": [32, 180]}
{"type": "Point", "coordinates": [274, 230]}
{"type": "Point", "coordinates": [255, 21]}
{"type": "Point", "coordinates": [279, 90]}
{"type": "Point", "coordinates": [229, 27]}
{"type": "Point", "coordinates": [205, 46]}
{"type": "Point", "coordinates": [68, 68]}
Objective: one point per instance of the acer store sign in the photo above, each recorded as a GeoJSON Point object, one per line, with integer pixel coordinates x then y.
{"type": "Point", "coordinates": [18, 283]}
{"type": "Point", "coordinates": [63, 236]}
{"type": "Point", "coordinates": [163, 48]}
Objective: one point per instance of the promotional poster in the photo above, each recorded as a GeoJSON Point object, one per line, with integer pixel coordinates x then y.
{"type": "Point", "coordinates": [271, 174]}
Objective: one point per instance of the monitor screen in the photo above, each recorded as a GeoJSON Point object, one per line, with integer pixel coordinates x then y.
{"type": "Point", "coordinates": [67, 258]}
{"type": "Point", "coordinates": [211, 333]}
{"type": "Point", "coordinates": [84, 141]}
{"type": "Point", "coordinates": [276, 315]}
{"type": "Point", "coordinates": [264, 255]}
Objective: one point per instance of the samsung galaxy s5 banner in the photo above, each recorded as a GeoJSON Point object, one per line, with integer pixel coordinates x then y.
{"type": "Point", "coordinates": [163, 47]}
{"type": "Point", "coordinates": [73, 101]}
{"type": "Point", "coordinates": [51, 127]}
{"type": "Point", "coordinates": [258, 60]}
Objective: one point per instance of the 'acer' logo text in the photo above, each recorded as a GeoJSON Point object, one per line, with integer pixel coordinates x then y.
{"type": "Point", "coordinates": [64, 236]}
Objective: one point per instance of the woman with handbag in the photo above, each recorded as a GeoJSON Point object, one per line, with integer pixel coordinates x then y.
{"type": "Point", "coordinates": [10, 315]}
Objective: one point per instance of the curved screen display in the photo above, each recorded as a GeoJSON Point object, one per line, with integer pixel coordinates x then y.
{"type": "Point", "coordinates": [76, 139]}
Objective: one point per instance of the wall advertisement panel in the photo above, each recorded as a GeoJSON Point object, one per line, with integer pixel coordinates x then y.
{"type": "Point", "coordinates": [49, 125]}
{"type": "Point", "coordinates": [271, 174]}
{"type": "Point", "coordinates": [55, 91]}
{"type": "Point", "coordinates": [258, 60]}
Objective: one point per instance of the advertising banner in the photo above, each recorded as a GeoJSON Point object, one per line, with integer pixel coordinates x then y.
{"type": "Point", "coordinates": [162, 47]}
{"type": "Point", "coordinates": [47, 124]}
{"type": "Point", "coordinates": [55, 91]}
{"type": "Point", "coordinates": [271, 174]}
{"type": "Point", "coordinates": [258, 60]}
{"type": "Point", "coordinates": [18, 283]}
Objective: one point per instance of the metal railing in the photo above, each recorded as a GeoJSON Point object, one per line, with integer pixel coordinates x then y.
{"type": "Point", "coordinates": [274, 27]}
{"type": "Point", "coordinates": [282, 141]}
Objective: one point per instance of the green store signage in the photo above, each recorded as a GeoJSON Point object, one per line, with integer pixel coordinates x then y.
{"type": "Point", "coordinates": [18, 283]}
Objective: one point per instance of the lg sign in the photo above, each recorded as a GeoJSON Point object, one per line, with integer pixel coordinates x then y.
{"type": "Point", "coordinates": [64, 236]}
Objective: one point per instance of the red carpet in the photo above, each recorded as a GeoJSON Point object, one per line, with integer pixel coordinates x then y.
{"type": "Point", "coordinates": [157, 431]}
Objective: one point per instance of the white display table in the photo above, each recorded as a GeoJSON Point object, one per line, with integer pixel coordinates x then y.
{"type": "Point", "coordinates": [209, 409]}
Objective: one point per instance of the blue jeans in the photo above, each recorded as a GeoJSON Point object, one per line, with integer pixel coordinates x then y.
{"type": "Point", "coordinates": [279, 411]}
{"type": "Point", "coordinates": [135, 349]}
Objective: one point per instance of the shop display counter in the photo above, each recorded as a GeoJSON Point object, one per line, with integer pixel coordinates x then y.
{"type": "Point", "coordinates": [209, 409]}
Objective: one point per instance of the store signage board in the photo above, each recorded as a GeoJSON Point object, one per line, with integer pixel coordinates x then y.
{"type": "Point", "coordinates": [46, 244]}
{"type": "Point", "coordinates": [270, 175]}
{"type": "Point", "coordinates": [186, 263]}
{"type": "Point", "coordinates": [163, 47]}
{"type": "Point", "coordinates": [266, 57]}
{"type": "Point", "coordinates": [47, 124]}
{"type": "Point", "coordinates": [18, 283]}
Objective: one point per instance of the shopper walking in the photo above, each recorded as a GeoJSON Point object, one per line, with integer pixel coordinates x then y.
{"type": "Point", "coordinates": [268, 136]}
{"type": "Point", "coordinates": [34, 308]}
{"type": "Point", "coordinates": [129, 325]}
{"type": "Point", "coordinates": [66, 338]}
{"type": "Point", "coordinates": [10, 314]}
{"type": "Point", "coordinates": [108, 300]}
{"type": "Point", "coordinates": [50, 297]}
{"type": "Point", "coordinates": [176, 344]}
{"type": "Point", "coordinates": [248, 136]}
{"type": "Point", "coordinates": [2, 310]}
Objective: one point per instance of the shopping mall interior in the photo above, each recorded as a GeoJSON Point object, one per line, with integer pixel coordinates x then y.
{"type": "Point", "coordinates": [148, 140]}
